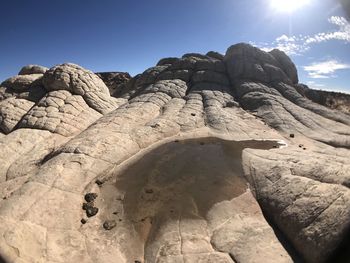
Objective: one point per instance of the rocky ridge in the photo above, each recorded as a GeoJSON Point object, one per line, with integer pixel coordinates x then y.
{"type": "Point", "coordinates": [334, 100]}
{"type": "Point", "coordinates": [113, 80]}
{"type": "Point", "coordinates": [185, 163]}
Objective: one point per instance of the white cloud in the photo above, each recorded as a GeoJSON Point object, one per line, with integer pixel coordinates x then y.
{"type": "Point", "coordinates": [285, 38]}
{"type": "Point", "coordinates": [315, 84]}
{"type": "Point", "coordinates": [296, 45]}
{"type": "Point", "coordinates": [287, 44]}
{"type": "Point", "coordinates": [343, 32]}
{"type": "Point", "coordinates": [325, 69]}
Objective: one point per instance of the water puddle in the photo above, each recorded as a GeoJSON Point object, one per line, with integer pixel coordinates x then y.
{"type": "Point", "coordinates": [202, 172]}
{"type": "Point", "coordinates": [177, 182]}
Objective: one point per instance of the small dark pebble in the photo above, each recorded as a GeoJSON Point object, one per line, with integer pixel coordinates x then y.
{"type": "Point", "coordinates": [304, 148]}
{"type": "Point", "coordinates": [91, 211]}
{"type": "Point", "coordinates": [291, 135]}
{"type": "Point", "coordinates": [120, 219]}
{"type": "Point", "coordinates": [99, 182]}
{"type": "Point", "coordinates": [176, 141]}
{"type": "Point", "coordinates": [274, 146]}
{"type": "Point", "coordinates": [83, 221]}
{"type": "Point", "coordinates": [301, 145]}
{"type": "Point", "coordinates": [149, 191]}
{"type": "Point", "coordinates": [87, 205]}
{"type": "Point", "coordinates": [109, 224]}
{"type": "Point", "coordinates": [137, 261]}
{"type": "Point", "coordinates": [193, 114]}
{"type": "Point", "coordinates": [115, 213]}
{"type": "Point", "coordinates": [89, 197]}
{"type": "Point", "coordinates": [119, 198]}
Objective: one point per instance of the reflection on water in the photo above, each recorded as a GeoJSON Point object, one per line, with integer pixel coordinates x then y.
{"type": "Point", "coordinates": [201, 172]}
{"type": "Point", "coordinates": [178, 181]}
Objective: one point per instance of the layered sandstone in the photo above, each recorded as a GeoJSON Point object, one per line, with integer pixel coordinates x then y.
{"type": "Point", "coordinates": [203, 158]}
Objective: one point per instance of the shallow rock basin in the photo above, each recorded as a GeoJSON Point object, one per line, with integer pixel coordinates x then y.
{"type": "Point", "coordinates": [172, 196]}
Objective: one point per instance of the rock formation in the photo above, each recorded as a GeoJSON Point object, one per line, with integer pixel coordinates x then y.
{"type": "Point", "coordinates": [113, 80]}
{"type": "Point", "coordinates": [334, 100]}
{"type": "Point", "coordinates": [203, 158]}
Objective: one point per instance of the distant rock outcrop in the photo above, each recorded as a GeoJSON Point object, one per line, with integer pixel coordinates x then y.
{"type": "Point", "coordinates": [334, 100]}
{"type": "Point", "coordinates": [113, 80]}
{"type": "Point", "coordinates": [203, 158]}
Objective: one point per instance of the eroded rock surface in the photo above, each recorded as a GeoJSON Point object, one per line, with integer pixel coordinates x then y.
{"type": "Point", "coordinates": [184, 164]}
{"type": "Point", "coordinates": [334, 100]}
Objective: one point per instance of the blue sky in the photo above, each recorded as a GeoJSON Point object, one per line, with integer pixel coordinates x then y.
{"type": "Point", "coordinates": [133, 35]}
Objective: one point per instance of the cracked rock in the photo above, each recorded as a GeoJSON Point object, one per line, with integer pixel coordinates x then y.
{"type": "Point", "coordinates": [240, 186]}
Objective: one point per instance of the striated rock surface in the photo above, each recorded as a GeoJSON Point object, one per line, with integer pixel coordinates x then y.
{"type": "Point", "coordinates": [334, 100]}
{"type": "Point", "coordinates": [203, 158]}
{"type": "Point", "coordinates": [32, 69]}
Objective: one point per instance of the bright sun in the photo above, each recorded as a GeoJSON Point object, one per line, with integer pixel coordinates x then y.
{"type": "Point", "coordinates": [288, 6]}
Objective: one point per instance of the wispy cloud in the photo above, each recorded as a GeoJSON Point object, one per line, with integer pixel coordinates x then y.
{"type": "Point", "coordinates": [342, 34]}
{"type": "Point", "coordinates": [296, 45]}
{"type": "Point", "coordinates": [325, 69]}
{"type": "Point", "coordinates": [312, 83]}
{"type": "Point", "coordinates": [290, 45]}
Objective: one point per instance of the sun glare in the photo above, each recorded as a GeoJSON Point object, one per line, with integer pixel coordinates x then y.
{"type": "Point", "coordinates": [288, 6]}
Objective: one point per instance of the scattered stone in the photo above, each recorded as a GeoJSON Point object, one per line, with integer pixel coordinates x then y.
{"type": "Point", "coordinates": [304, 148]}
{"type": "Point", "coordinates": [176, 141]}
{"type": "Point", "coordinates": [149, 191]}
{"type": "Point", "coordinates": [115, 213]}
{"type": "Point", "coordinates": [91, 211]}
{"type": "Point", "coordinates": [90, 197]}
{"type": "Point", "coordinates": [291, 135]}
{"type": "Point", "coordinates": [83, 221]}
{"type": "Point", "coordinates": [86, 205]}
{"type": "Point", "coordinates": [109, 224]}
{"type": "Point", "coordinates": [99, 182]}
{"type": "Point", "coordinates": [301, 145]}
{"type": "Point", "coordinates": [193, 114]}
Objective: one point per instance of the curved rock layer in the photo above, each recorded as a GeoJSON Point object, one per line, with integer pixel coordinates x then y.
{"type": "Point", "coordinates": [183, 165]}
{"type": "Point", "coordinates": [334, 100]}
